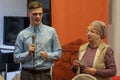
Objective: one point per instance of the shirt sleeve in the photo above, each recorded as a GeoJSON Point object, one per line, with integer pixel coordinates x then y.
{"type": "Point", "coordinates": [110, 65]}
{"type": "Point", "coordinates": [19, 55]}
{"type": "Point", "coordinates": [56, 48]}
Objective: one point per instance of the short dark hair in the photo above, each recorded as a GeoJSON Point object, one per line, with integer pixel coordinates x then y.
{"type": "Point", "coordinates": [34, 5]}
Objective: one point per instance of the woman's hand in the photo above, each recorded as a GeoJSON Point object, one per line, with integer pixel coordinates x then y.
{"type": "Point", "coordinates": [76, 63]}
{"type": "Point", "coordinates": [89, 70]}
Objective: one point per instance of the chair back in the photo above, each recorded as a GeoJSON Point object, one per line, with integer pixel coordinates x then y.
{"type": "Point", "coordinates": [84, 77]}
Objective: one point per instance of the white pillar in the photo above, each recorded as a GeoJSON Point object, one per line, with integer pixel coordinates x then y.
{"type": "Point", "coordinates": [114, 32]}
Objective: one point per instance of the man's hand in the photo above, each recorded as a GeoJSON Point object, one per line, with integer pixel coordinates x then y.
{"type": "Point", "coordinates": [44, 54]}
{"type": "Point", "coordinates": [31, 49]}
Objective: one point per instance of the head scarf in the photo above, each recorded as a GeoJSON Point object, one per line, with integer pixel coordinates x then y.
{"type": "Point", "coordinates": [100, 27]}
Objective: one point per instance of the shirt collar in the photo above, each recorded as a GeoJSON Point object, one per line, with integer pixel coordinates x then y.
{"type": "Point", "coordinates": [39, 28]}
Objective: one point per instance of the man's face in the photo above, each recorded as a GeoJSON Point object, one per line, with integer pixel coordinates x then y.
{"type": "Point", "coordinates": [35, 16]}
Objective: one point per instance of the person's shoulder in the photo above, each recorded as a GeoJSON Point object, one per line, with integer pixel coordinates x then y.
{"type": "Point", "coordinates": [85, 44]}
{"type": "Point", "coordinates": [106, 45]}
{"type": "Point", "coordinates": [24, 31]}
{"type": "Point", "coordinates": [48, 28]}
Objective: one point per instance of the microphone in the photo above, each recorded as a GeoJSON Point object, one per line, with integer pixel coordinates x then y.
{"type": "Point", "coordinates": [33, 41]}
{"type": "Point", "coordinates": [33, 38]}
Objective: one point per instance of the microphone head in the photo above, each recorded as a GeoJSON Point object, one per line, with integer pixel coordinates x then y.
{"type": "Point", "coordinates": [33, 38]}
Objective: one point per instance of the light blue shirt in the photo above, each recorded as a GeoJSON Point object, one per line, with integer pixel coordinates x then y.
{"type": "Point", "coordinates": [46, 40]}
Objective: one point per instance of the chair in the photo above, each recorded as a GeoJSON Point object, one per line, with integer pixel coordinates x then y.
{"type": "Point", "coordinates": [84, 77]}
{"type": "Point", "coordinates": [7, 64]}
{"type": "Point", "coordinates": [16, 77]}
{"type": "Point", "coordinates": [1, 77]}
{"type": "Point", "coordinates": [116, 78]}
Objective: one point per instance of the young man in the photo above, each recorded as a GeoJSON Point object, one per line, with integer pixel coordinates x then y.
{"type": "Point", "coordinates": [37, 46]}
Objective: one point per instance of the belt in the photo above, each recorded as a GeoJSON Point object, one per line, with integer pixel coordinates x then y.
{"type": "Point", "coordinates": [37, 71]}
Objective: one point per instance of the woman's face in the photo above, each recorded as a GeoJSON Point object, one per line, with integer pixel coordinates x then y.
{"type": "Point", "coordinates": [92, 34]}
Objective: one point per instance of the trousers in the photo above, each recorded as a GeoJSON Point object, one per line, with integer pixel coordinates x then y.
{"type": "Point", "coordinates": [27, 74]}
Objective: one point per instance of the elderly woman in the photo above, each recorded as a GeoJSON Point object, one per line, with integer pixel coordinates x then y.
{"type": "Point", "coordinates": [96, 57]}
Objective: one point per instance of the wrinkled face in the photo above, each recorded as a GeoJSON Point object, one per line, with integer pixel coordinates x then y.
{"type": "Point", "coordinates": [92, 34]}
{"type": "Point", "coordinates": [35, 16]}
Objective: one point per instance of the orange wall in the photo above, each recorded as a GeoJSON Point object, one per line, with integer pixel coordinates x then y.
{"type": "Point", "coordinates": [71, 17]}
